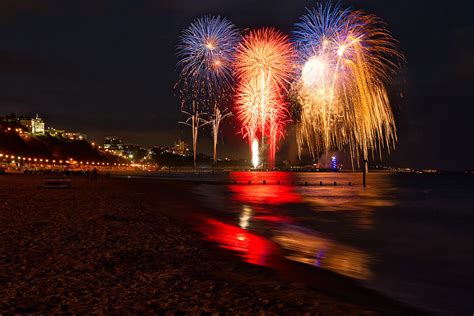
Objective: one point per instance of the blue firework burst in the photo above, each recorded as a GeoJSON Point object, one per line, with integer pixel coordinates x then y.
{"type": "Point", "coordinates": [325, 22]}
{"type": "Point", "coordinates": [205, 56]}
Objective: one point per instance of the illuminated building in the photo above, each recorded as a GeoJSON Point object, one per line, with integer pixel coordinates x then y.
{"type": "Point", "coordinates": [181, 148]}
{"type": "Point", "coordinates": [113, 143]}
{"type": "Point", "coordinates": [34, 125]}
{"type": "Point", "coordinates": [333, 163]}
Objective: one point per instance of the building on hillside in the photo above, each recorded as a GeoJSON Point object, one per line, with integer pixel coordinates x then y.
{"type": "Point", "coordinates": [113, 143]}
{"type": "Point", "coordinates": [55, 132]}
{"type": "Point", "coordinates": [26, 122]}
{"type": "Point", "coordinates": [181, 148]}
{"type": "Point", "coordinates": [34, 125]}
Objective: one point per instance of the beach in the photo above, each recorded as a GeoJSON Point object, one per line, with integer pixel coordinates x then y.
{"type": "Point", "coordinates": [121, 245]}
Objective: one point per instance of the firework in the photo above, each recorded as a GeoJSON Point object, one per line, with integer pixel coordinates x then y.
{"type": "Point", "coordinates": [255, 157]}
{"type": "Point", "coordinates": [205, 52]}
{"type": "Point", "coordinates": [264, 66]}
{"type": "Point", "coordinates": [345, 59]}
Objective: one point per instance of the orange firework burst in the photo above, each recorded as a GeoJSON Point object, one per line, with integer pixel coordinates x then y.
{"type": "Point", "coordinates": [346, 59]}
{"type": "Point", "coordinates": [264, 67]}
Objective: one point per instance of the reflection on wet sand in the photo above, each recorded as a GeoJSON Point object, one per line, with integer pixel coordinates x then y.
{"type": "Point", "coordinates": [245, 216]}
{"type": "Point", "coordinates": [312, 249]}
{"type": "Point", "coordinates": [268, 210]}
{"type": "Point", "coordinates": [252, 248]}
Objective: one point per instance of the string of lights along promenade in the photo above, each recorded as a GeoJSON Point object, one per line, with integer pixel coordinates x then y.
{"type": "Point", "coordinates": [328, 77]}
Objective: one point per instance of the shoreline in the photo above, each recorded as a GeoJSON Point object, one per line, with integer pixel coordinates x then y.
{"type": "Point", "coordinates": [123, 245]}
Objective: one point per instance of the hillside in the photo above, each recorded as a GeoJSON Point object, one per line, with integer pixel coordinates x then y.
{"type": "Point", "coordinates": [48, 147]}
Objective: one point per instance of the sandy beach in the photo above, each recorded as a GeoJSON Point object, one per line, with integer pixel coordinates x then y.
{"type": "Point", "coordinates": [120, 245]}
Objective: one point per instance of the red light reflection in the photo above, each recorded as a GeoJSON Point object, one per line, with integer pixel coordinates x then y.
{"type": "Point", "coordinates": [274, 219]}
{"type": "Point", "coordinates": [264, 194]}
{"type": "Point", "coordinates": [259, 193]}
{"type": "Point", "coordinates": [254, 249]}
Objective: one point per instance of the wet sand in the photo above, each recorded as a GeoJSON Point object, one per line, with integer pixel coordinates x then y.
{"type": "Point", "coordinates": [122, 245]}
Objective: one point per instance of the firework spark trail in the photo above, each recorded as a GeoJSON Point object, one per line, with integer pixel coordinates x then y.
{"type": "Point", "coordinates": [264, 67]}
{"type": "Point", "coordinates": [345, 59]}
{"type": "Point", "coordinates": [206, 51]}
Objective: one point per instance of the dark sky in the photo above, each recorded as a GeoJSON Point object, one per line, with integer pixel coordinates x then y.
{"type": "Point", "coordinates": [107, 67]}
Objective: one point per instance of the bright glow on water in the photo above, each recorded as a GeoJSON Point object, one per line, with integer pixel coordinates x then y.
{"type": "Point", "coordinates": [407, 235]}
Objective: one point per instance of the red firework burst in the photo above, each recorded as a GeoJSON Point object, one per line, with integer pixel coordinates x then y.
{"type": "Point", "coordinates": [264, 65]}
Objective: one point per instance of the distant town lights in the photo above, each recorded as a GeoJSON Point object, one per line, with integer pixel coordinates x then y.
{"type": "Point", "coordinates": [16, 159]}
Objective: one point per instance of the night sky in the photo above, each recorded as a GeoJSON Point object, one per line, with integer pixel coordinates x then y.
{"type": "Point", "coordinates": [107, 67]}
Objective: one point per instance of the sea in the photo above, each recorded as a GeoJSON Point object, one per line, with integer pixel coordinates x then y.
{"type": "Point", "coordinates": [408, 236]}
